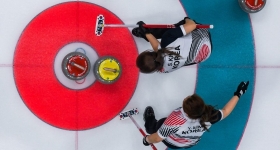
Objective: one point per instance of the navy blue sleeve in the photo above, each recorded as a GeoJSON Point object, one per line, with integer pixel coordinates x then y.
{"type": "Point", "coordinates": [170, 36]}
{"type": "Point", "coordinates": [216, 117]}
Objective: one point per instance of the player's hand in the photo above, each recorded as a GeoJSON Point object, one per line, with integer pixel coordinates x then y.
{"type": "Point", "coordinates": [143, 29]}
{"type": "Point", "coordinates": [186, 18]}
{"type": "Point", "coordinates": [145, 141]}
{"type": "Point", "coordinates": [241, 89]}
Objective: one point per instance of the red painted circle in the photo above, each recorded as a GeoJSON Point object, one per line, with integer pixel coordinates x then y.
{"type": "Point", "coordinates": [77, 66]}
{"type": "Point", "coordinates": [252, 5]}
{"type": "Point", "coordinates": [34, 75]}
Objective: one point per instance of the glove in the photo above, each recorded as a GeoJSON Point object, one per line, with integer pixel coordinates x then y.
{"type": "Point", "coordinates": [181, 22]}
{"type": "Point", "coordinates": [143, 29]}
{"type": "Point", "coordinates": [241, 89]}
{"type": "Point", "coordinates": [145, 141]}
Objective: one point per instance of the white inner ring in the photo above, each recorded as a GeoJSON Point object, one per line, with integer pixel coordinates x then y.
{"type": "Point", "coordinates": [72, 47]}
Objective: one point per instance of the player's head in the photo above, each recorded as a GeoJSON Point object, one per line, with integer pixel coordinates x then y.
{"type": "Point", "coordinates": [149, 61]}
{"type": "Point", "coordinates": [194, 106]}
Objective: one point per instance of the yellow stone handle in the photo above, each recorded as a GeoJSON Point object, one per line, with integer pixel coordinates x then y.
{"type": "Point", "coordinates": [110, 69]}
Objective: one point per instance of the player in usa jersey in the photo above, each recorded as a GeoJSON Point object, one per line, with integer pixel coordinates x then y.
{"type": "Point", "coordinates": [181, 46]}
{"type": "Point", "coordinates": [184, 127]}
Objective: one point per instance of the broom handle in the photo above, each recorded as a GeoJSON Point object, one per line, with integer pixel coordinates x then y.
{"type": "Point", "coordinates": [173, 26]}
{"type": "Point", "coordinates": [142, 132]}
{"type": "Point", "coordinates": [154, 25]}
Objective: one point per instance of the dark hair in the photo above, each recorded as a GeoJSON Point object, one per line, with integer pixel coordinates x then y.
{"type": "Point", "coordinates": [150, 61]}
{"type": "Point", "coordinates": [195, 108]}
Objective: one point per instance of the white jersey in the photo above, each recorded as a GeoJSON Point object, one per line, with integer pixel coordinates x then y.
{"type": "Point", "coordinates": [193, 48]}
{"type": "Point", "coordinates": [181, 131]}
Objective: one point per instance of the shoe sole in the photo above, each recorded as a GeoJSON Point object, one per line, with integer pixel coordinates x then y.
{"type": "Point", "coordinates": [145, 112]}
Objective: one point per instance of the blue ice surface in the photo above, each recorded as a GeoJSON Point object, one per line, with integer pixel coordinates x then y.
{"type": "Point", "coordinates": [232, 61]}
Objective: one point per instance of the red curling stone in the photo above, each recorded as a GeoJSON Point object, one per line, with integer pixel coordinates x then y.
{"type": "Point", "coordinates": [76, 66]}
{"type": "Point", "coordinates": [252, 6]}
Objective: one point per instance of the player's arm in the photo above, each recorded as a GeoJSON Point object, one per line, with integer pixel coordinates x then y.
{"type": "Point", "coordinates": [153, 41]}
{"type": "Point", "coordinates": [241, 89]}
{"type": "Point", "coordinates": [230, 106]}
{"type": "Point", "coordinates": [189, 26]}
{"type": "Point", "coordinates": [172, 34]}
{"type": "Point", "coordinates": [153, 138]}
{"type": "Point", "coordinates": [164, 131]}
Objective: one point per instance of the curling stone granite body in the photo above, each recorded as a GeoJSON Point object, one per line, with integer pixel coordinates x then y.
{"type": "Point", "coordinates": [252, 6]}
{"type": "Point", "coordinates": [75, 66]}
{"type": "Point", "coordinates": [107, 69]}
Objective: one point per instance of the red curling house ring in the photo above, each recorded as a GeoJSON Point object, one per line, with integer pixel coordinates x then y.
{"type": "Point", "coordinates": [37, 83]}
